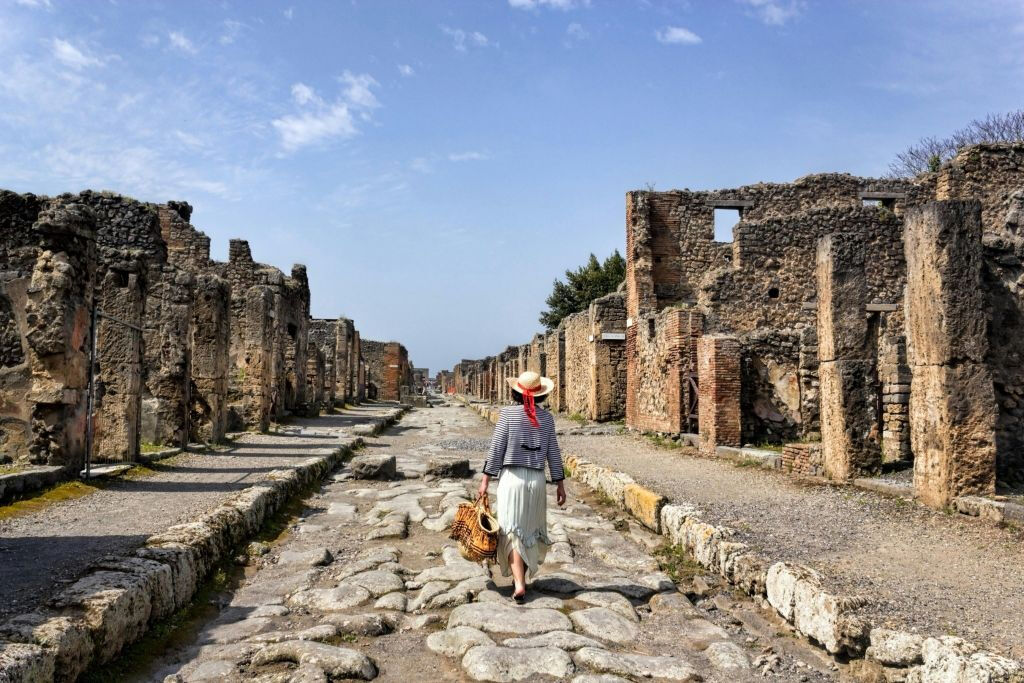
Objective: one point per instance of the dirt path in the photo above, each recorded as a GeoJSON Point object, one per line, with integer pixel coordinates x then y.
{"type": "Point", "coordinates": [42, 551]}
{"type": "Point", "coordinates": [366, 585]}
{"type": "Point", "coordinates": [927, 571]}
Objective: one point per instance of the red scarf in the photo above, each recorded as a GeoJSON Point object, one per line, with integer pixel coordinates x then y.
{"type": "Point", "coordinates": [528, 405]}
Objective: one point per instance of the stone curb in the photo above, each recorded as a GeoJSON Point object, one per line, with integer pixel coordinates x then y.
{"type": "Point", "coordinates": [120, 597]}
{"type": "Point", "coordinates": [986, 508]}
{"type": "Point", "coordinates": [794, 591]}
{"type": "Point", "coordinates": [34, 479]}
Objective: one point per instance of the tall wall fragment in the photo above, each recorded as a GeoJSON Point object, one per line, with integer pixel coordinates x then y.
{"type": "Point", "coordinates": [718, 364]}
{"type": "Point", "coordinates": [952, 400]}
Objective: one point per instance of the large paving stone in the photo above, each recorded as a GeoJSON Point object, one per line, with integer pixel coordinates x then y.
{"type": "Point", "coordinates": [727, 656]}
{"type": "Point", "coordinates": [373, 466]}
{"type": "Point", "coordinates": [343, 597]}
{"type": "Point", "coordinates": [337, 662]}
{"type": "Point", "coordinates": [612, 601]}
{"type": "Point", "coordinates": [603, 623]}
{"type": "Point", "coordinates": [563, 640]}
{"type": "Point", "coordinates": [449, 468]}
{"type": "Point", "coordinates": [451, 573]}
{"type": "Point", "coordinates": [493, 663]}
{"type": "Point", "coordinates": [317, 557]}
{"type": "Point", "coordinates": [495, 617]}
{"type": "Point", "coordinates": [377, 582]}
{"type": "Point", "coordinates": [454, 642]}
{"type": "Point", "coordinates": [644, 666]}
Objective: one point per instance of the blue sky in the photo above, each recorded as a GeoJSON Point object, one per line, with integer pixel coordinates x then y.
{"type": "Point", "coordinates": [436, 164]}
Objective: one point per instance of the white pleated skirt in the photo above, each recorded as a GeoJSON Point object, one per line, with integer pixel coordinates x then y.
{"type": "Point", "coordinates": [523, 517]}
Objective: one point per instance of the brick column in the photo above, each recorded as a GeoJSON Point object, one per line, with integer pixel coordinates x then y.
{"type": "Point", "coordinates": [952, 399]}
{"type": "Point", "coordinates": [718, 369]}
{"type": "Point", "coordinates": [847, 365]}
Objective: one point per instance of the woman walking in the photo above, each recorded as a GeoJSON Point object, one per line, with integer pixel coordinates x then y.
{"type": "Point", "coordinates": [523, 442]}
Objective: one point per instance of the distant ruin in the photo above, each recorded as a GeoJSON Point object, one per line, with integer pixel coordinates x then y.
{"type": "Point", "coordinates": [862, 321]}
{"type": "Point", "coordinates": [179, 348]}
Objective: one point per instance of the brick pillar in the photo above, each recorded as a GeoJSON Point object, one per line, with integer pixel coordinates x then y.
{"type": "Point", "coordinates": [952, 399]}
{"type": "Point", "coordinates": [847, 365]}
{"type": "Point", "coordinates": [718, 367]}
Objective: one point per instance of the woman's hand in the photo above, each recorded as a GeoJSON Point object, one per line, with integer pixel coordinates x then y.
{"type": "Point", "coordinates": [485, 481]}
{"type": "Point", "coordinates": [560, 493]}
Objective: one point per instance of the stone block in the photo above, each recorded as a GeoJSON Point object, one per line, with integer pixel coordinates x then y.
{"type": "Point", "coordinates": [950, 659]}
{"type": "Point", "coordinates": [65, 639]}
{"type": "Point", "coordinates": [842, 292]}
{"type": "Point", "coordinates": [952, 432]}
{"type": "Point", "coordinates": [645, 505]}
{"type": "Point", "coordinates": [718, 367]}
{"type": "Point", "coordinates": [23, 662]}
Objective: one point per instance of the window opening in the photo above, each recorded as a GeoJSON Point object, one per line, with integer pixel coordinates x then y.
{"type": "Point", "coordinates": [725, 221]}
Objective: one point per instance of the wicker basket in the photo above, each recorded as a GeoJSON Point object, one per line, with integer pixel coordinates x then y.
{"type": "Point", "coordinates": [476, 530]}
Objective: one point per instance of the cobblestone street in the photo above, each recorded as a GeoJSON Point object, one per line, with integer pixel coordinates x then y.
{"type": "Point", "coordinates": [365, 584]}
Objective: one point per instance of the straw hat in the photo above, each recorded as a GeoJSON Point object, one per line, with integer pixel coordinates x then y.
{"type": "Point", "coordinates": [540, 386]}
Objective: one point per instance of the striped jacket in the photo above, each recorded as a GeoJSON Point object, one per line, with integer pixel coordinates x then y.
{"type": "Point", "coordinates": [517, 443]}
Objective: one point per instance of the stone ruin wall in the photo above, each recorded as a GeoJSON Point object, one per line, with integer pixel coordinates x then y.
{"type": "Point", "coordinates": [388, 368]}
{"type": "Point", "coordinates": [323, 341]}
{"type": "Point", "coordinates": [577, 363]}
{"type": "Point", "coordinates": [47, 285]}
{"type": "Point", "coordinates": [554, 352]}
{"type": "Point", "coordinates": [607, 361]}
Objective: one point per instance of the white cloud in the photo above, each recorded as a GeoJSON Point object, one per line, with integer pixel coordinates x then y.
{"type": "Point", "coordinates": [182, 43]}
{"type": "Point", "coordinates": [563, 5]}
{"type": "Point", "coordinates": [775, 12]}
{"type": "Point", "coordinates": [34, 3]}
{"type": "Point", "coordinates": [232, 30]}
{"type": "Point", "coordinates": [358, 91]}
{"type": "Point", "coordinates": [150, 40]}
{"type": "Point", "coordinates": [463, 39]}
{"type": "Point", "coordinates": [303, 94]}
{"type": "Point", "coordinates": [421, 165]}
{"type": "Point", "coordinates": [321, 121]}
{"type": "Point", "coordinates": [188, 139]}
{"type": "Point", "coordinates": [677, 35]}
{"type": "Point", "coordinates": [289, 13]}
{"type": "Point", "coordinates": [575, 32]}
{"type": "Point", "coordinates": [467, 156]}
{"type": "Point", "coordinates": [71, 56]}
{"type": "Point", "coordinates": [406, 70]}
{"type": "Point", "coordinates": [305, 129]}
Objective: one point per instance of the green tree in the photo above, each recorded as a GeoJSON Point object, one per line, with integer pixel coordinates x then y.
{"type": "Point", "coordinates": [583, 285]}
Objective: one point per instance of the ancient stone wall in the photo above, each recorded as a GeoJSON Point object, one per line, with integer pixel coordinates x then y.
{"type": "Point", "coordinates": [718, 365]}
{"type": "Point", "coordinates": [388, 368]}
{"type": "Point", "coordinates": [607, 340]}
{"type": "Point", "coordinates": [47, 284]}
{"type": "Point", "coordinates": [577, 363]}
{"type": "Point", "coordinates": [537, 360]}
{"type": "Point", "coordinates": [661, 351]}
{"type": "Point", "coordinates": [316, 380]}
{"type": "Point", "coordinates": [345, 359]}
{"type": "Point", "coordinates": [554, 353]}
{"type": "Point", "coordinates": [324, 336]}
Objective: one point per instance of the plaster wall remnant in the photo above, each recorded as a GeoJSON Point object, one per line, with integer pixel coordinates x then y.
{"type": "Point", "coordinates": [554, 351]}
{"type": "Point", "coordinates": [537, 359]}
{"type": "Point", "coordinates": [577, 363]}
{"type": "Point", "coordinates": [47, 285]}
{"type": "Point", "coordinates": [211, 338]}
{"type": "Point", "coordinates": [952, 399]}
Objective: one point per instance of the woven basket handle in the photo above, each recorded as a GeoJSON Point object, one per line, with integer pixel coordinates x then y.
{"type": "Point", "coordinates": [483, 501]}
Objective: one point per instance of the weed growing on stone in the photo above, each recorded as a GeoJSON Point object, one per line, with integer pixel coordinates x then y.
{"type": "Point", "coordinates": [661, 442]}
{"type": "Point", "coordinates": [56, 494]}
{"type": "Point", "coordinates": [748, 462]}
{"type": "Point", "coordinates": [677, 563]}
{"type": "Point", "coordinates": [150, 447]}
{"type": "Point", "coordinates": [579, 419]}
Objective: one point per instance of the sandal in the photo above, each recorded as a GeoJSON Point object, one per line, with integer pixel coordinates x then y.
{"type": "Point", "coordinates": [520, 598]}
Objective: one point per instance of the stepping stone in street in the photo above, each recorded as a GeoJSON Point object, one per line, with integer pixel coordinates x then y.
{"type": "Point", "coordinates": [493, 663]}
{"type": "Point", "coordinates": [453, 468]}
{"type": "Point", "coordinates": [603, 623]}
{"type": "Point", "coordinates": [644, 666]}
{"type": "Point", "coordinates": [361, 624]}
{"type": "Point", "coordinates": [454, 642]}
{"type": "Point", "coordinates": [495, 617]}
{"type": "Point", "coordinates": [373, 466]}
{"type": "Point", "coordinates": [563, 640]}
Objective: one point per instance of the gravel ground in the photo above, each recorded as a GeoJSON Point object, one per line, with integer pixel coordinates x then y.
{"type": "Point", "coordinates": [42, 551]}
{"type": "Point", "coordinates": [924, 570]}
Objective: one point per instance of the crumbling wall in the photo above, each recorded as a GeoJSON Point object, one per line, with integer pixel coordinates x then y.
{"type": "Point", "coordinates": [577, 363]}
{"type": "Point", "coordinates": [345, 359]}
{"type": "Point", "coordinates": [388, 368]}
{"type": "Point", "coordinates": [324, 336]}
{"type": "Point", "coordinates": [989, 173]}
{"type": "Point", "coordinates": [537, 359]}
{"type": "Point", "coordinates": [661, 354]}
{"type": "Point", "coordinates": [316, 380]}
{"type": "Point", "coordinates": [47, 284]}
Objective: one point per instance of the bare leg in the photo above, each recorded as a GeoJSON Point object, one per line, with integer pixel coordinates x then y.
{"type": "Point", "coordinates": [518, 572]}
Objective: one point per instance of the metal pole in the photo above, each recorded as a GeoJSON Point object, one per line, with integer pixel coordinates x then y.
{"type": "Point", "coordinates": [91, 400]}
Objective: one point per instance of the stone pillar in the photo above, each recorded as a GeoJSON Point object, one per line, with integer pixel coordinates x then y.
{"type": "Point", "coordinates": [608, 357]}
{"type": "Point", "coordinates": [167, 372]}
{"type": "Point", "coordinates": [847, 365]}
{"type": "Point", "coordinates": [952, 400]}
{"type": "Point", "coordinates": [211, 339]}
{"type": "Point", "coordinates": [718, 369]}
